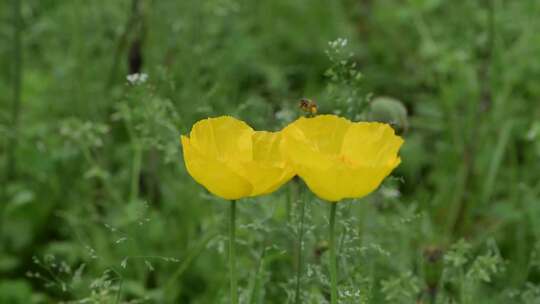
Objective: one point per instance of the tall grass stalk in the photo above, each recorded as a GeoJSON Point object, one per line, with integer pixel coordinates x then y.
{"type": "Point", "coordinates": [232, 253]}
{"type": "Point", "coordinates": [299, 249]}
{"type": "Point", "coordinates": [136, 171]}
{"type": "Point", "coordinates": [332, 245]}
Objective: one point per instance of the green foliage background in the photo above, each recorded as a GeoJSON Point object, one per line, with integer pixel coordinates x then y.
{"type": "Point", "coordinates": [99, 207]}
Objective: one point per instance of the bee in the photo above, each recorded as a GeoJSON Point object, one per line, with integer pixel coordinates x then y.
{"type": "Point", "coordinates": [308, 106]}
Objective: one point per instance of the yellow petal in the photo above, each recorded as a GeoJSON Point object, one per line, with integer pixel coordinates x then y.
{"type": "Point", "coordinates": [338, 159]}
{"type": "Point", "coordinates": [225, 138]}
{"type": "Point", "coordinates": [268, 170]}
{"type": "Point", "coordinates": [341, 182]}
{"type": "Point", "coordinates": [214, 175]}
{"type": "Point", "coordinates": [371, 144]}
{"type": "Point", "coordinates": [364, 180]}
{"type": "Point", "coordinates": [266, 179]}
{"type": "Point", "coordinates": [266, 146]}
{"type": "Point", "coordinates": [300, 150]}
{"type": "Point", "coordinates": [324, 132]}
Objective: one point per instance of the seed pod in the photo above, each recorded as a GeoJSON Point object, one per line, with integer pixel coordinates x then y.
{"type": "Point", "coordinates": [391, 111]}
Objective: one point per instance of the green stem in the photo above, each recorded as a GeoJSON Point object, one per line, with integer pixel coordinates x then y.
{"type": "Point", "coordinates": [333, 268]}
{"type": "Point", "coordinates": [232, 253]}
{"type": "Point", "coordinates": [288, 202]}
{"type": "Point", "coordinates": [299, 251]}
{"type": "Point", "coordinates": [135, 171]}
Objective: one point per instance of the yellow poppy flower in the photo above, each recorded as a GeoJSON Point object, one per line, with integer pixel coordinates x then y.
{"type": "Point", "coordinates": [338, 158]}
{"type": "Point", "coordinates": [232, 161]}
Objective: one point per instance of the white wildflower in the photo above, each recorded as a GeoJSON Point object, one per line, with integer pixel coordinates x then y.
{"type": "Point", "coordinates": [137, 78]}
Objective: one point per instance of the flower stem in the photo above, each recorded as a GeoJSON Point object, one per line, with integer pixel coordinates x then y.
{"type": "Point", "coordinates": [232, 253]}
{"type": "Point", "coordinates": [333, 268]}
{"type": "Point", "coordinates": [135, 171]}
{"type": "Point", "coordinates": [299, 250]}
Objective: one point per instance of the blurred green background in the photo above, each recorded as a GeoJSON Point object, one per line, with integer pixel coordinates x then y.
{"type": "Point", "coordinates": [96, 206]}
